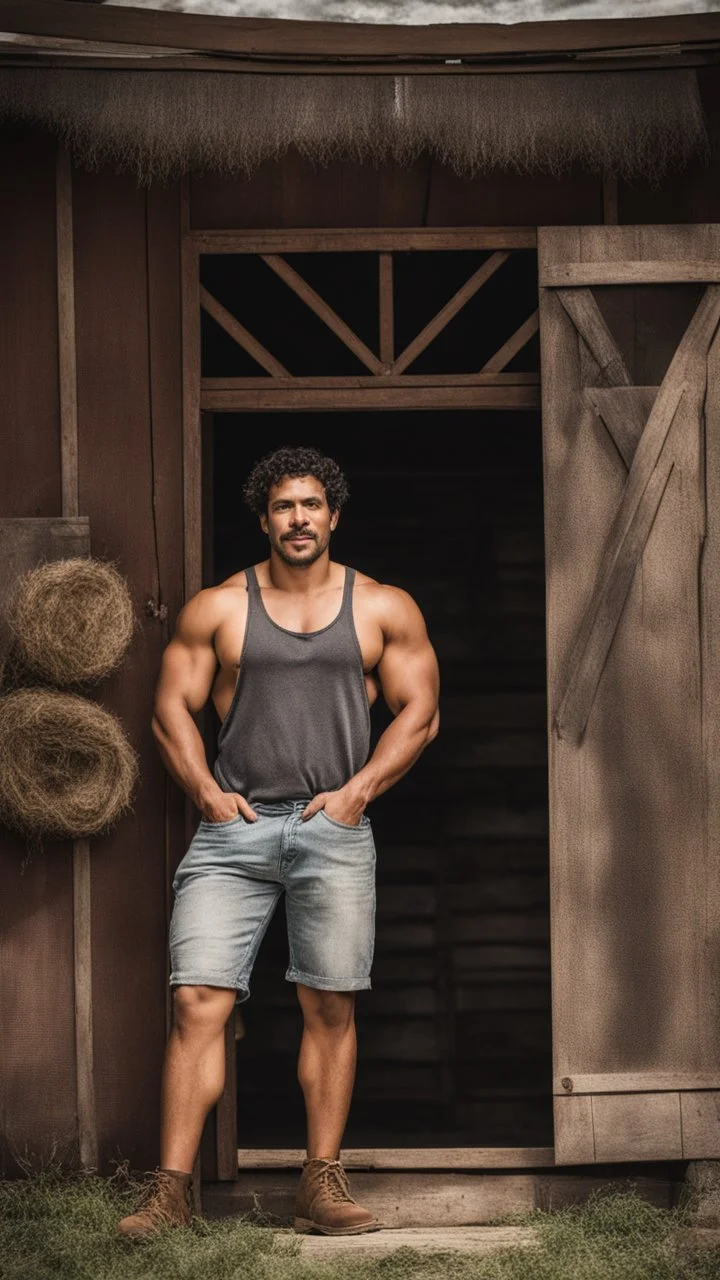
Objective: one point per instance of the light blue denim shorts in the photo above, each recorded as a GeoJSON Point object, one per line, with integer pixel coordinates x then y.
{"type": "Point", "coordinates": [228, 885]}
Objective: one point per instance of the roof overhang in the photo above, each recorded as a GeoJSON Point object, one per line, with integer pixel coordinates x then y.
{"type": "Point", "coordinates": [65, 32]}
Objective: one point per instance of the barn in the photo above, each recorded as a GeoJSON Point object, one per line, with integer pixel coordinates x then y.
{"type": "Point", "coordinates": [480, 266]}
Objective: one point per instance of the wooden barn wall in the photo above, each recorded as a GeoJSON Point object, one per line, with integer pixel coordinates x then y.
{"type": "Point", "coordinates": [37, 1039]}
{"type": "Point", "coordinates": [129, 401]}
{"type": "Point", "coordinates": [129, 392]}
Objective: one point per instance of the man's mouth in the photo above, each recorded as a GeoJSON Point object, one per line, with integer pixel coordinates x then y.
{"type": "Point", "coordinates": [299, 537]}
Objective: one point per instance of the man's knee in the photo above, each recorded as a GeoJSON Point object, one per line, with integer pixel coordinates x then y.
{"type": "Point", "coordinates": [331, 1010]}
{"type": "Point", "coordinates": [201, 1009]}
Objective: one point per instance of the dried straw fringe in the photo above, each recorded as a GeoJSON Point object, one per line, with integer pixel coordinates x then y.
{"type": "Point", "coordinates": [160, 124]}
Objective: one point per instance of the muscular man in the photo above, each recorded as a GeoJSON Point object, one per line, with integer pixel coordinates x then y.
{"type": "Point", "coordinates": [293, 652]}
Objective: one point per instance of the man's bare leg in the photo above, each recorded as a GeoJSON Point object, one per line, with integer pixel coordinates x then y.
{"type": "Point", "coordinates": [326, 1066]}
{"type": "Point", "coordinates": [193, 1072]}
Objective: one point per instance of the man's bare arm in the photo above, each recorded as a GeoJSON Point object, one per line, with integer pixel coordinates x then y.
{"type": "Point", "coordinates": [409, 676]}
{"type": "Point", "coordinates": [186, 679]}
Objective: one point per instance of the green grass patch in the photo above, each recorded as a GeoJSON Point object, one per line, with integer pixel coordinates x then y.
{"type": "Point", "coordinates": [55, 1226]}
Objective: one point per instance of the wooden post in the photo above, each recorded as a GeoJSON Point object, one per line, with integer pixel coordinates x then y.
{"type": "Point", "coordinates": [82, 920]}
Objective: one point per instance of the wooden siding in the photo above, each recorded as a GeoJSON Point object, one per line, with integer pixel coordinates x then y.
{"type": "Point", "coordinates": [129, 365]}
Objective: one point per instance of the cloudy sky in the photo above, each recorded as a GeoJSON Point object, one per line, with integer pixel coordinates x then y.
{"type": "Point", "coordinates": [422, 11]}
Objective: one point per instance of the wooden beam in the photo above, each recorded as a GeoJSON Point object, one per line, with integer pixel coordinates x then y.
{"type": "Point", "coordinates": [371, 382]}
{"type": "Point", "coordinates": [66, 336]}
{"type": "Point", "coordinates": [451, 308]}
{"type": "Point", "coordinates": [610, 199]}
{"type": "Point", "coordinates": [408, 1158]}
{"type": "Point", "coordinates": [325, 312]}
{"type": "Point", "coordinates": [82, 888]}
{"type": "Point", "coordinates": [642, 271]}
{"type": "Point", "coordinates": [588, 320]}
{"type": "Point", "coordinates": [661, 59]}
{"type": "Point", "coordinates": [386, 308]}
{"type": "Point", "coordinates": [192, 463]}
{"type": "Point", "coordinates": [262, 37]}
{"type": "Point", "coordinates": [363, 239]}
{"type": "Point", "coordinates": [624, 412]}
{"type": "Point", "coordinates": [514, 344]}
{"type": "Point", "coordinates": [636, 1082]}
{"type": "Point", "coordinates": [241, 335]}
{"type": "Point", "coordinates": [381, 397]}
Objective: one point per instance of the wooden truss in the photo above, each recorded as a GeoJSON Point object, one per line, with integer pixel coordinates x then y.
{"type": "Point", "coordinates": [387, 384]}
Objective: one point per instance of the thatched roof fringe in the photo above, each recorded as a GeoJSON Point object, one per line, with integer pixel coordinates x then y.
{"type": "Point", "coordinates": [160, 124]}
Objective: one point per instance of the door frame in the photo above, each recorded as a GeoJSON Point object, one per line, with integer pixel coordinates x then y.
{"type": "Point", "coordinates": [380, 389]}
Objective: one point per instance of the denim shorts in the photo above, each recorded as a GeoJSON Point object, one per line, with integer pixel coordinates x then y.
{"type": "Point", "coordinates": [228, 885]}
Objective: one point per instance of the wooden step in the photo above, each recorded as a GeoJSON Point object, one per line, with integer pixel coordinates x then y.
{"type": "Point", "coordinates": [378, 1244]}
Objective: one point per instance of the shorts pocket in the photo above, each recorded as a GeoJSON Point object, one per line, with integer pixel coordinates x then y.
{"type": "Point", "coordinates": [229, 822]}
{"type": "Point", "coordinates": [347, 826]}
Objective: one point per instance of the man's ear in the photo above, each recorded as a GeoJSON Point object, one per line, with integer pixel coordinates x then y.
{"type": "Point", "coordinates": [264, 523]}
{"type": "Point", "coordinates": [334, 519]}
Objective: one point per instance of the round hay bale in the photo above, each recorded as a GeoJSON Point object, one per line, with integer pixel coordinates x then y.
{"type": "Point", "coordinates": [71, 621]}
{"type": "Point", "coordinates": [66, 766]}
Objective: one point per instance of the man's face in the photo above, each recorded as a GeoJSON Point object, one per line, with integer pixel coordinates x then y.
{"type": "Point", "coordinates": [298, 521]}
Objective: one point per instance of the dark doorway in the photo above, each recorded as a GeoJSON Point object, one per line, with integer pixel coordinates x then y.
{"type": "Point", "coordinates": [454, 1038]}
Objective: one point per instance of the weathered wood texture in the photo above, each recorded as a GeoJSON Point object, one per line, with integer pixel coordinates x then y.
{"type": "Point", "coordinates": [446, 1199]}
{"type": "Point", "coordinates": [38, 1085]}
{"type": "Point", "coordinates": [634, 883]}
{"type": "Point", "coordinates": [129, 402]}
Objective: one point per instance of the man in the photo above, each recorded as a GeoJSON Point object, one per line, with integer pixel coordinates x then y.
{"type": "Point", "coordinates": [293, 652]}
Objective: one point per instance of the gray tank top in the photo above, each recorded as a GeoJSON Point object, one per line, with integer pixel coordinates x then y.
{"type": "Point", "coordinates": [299, 722]}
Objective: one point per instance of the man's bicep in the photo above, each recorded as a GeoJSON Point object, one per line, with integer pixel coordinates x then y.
{"type": "Point", "coordinates": [408, 669]}
{"type": "Point", "coordinates": [188, 665]}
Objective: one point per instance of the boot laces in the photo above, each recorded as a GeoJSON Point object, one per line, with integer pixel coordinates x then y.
{"type": "Point", "coordinates": [334, 1181]}
{"type": "Point", "coordinates": [153, 1203]}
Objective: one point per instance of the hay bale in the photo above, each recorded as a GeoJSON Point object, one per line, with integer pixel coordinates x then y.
{"type": "Point", "coordinates": [66, 766]}
{"type": "Point", "coordinates": [71, 622]}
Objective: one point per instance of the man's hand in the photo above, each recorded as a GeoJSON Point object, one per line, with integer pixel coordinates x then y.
{"type": "Point", "coordinates": [344, 805]}
{"type": "Point", "coordinates": [223, 806]}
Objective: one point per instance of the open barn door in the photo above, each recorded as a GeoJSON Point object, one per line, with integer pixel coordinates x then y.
{"type": "Point", "coordinates": [631, 425]}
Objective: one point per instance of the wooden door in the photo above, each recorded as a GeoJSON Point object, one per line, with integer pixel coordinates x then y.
{"type": "Point", "coordinates": [631, 430]}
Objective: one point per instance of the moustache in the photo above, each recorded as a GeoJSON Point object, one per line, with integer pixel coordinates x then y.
{"type": "Point", "coordinates": [298, 533]}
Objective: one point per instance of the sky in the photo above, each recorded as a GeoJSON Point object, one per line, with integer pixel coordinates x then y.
{"type": "Point", "coordinates": [427, 11]}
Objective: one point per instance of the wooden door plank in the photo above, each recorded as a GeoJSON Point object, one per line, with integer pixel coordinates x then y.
{"type": "Point", "coordinates": [585, 315]}
{"type": "Point", "coordinates": [325, 312]}
{"type": "Point", "coordinates": [192, 462]}
{"type": "Point", "coordinates": [573, 1126]}
{"type": "Point", "coordinates": [386, 305]}
{"type": "Point", "coordinates": [639, 271]}
{"type": "Point", "coordinates": [636, 1082]}
{"type": "Point", "coordinates": [637, 1126]}
{"type": "Point", "coordinates": [645, 485]}
{"type": "Point", "coordinates": [241, 335]}
{"type": "Point", "coordinates": [709, 622]}
{"type": "Point", "coordinates": [700, 1116]}
{"type": "Point", "coordinates": [515, 343]}
{"type": "Point", "coordinates": [624, 412]}
{"type": "Point", "coordinates": [451, 308]}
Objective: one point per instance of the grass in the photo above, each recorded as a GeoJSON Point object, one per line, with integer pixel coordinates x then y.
{"type": "Point", "coordinates": [56, 1226]}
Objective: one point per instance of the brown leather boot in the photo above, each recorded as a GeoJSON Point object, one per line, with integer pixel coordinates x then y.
{"type": "Point", "coordinates": [165, 1202]}
{"type": "Point", "coordinates": [324, 1202]}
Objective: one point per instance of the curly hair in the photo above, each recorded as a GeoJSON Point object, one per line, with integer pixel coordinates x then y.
{"type": "Point", "coordinates": [294, 461]}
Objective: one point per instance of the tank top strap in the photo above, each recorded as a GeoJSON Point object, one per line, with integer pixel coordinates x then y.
{"type": "Point", "coordinates": [252, 582]}
{"type": "Point", "coordinates": [346, 606]}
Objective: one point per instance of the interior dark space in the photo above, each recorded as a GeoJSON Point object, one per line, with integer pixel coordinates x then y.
{"type": "Point", "coordinates": [454, 1038]}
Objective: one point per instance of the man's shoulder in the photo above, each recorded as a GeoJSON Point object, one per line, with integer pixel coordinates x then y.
{"type": "Point", "coordinates": [383, 598]}
{"type": "Point", "coordinates": [207, 609]}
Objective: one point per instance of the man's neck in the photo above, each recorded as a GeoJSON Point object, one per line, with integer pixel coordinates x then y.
{"type": "Point", "coordinates": [301, 579]}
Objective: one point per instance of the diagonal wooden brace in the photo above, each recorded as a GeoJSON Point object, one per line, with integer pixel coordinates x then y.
{"type": "Point", "coordinates": [643, 492]}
